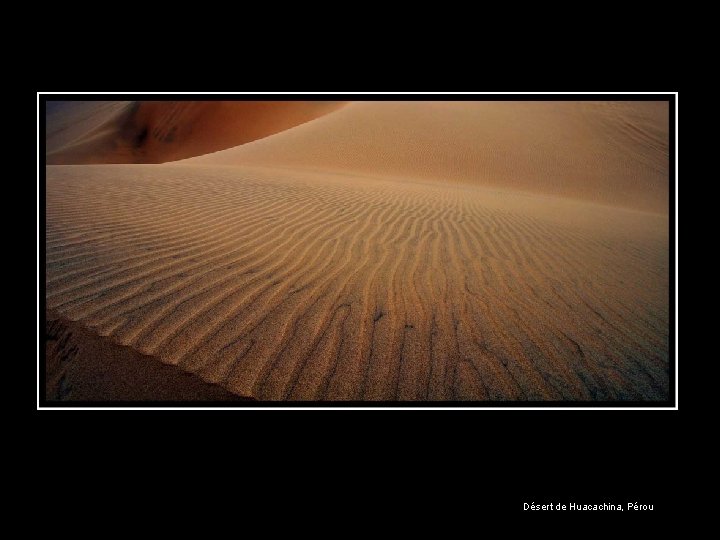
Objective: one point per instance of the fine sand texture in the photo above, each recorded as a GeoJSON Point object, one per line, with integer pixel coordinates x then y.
{"type": "Point", "coordinates": [411, 251]}
{"type": "Point", "coordinates": [160, 131]}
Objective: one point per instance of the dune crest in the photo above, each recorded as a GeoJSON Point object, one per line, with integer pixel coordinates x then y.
{"type": "Point", "coordinates": [162, 131]}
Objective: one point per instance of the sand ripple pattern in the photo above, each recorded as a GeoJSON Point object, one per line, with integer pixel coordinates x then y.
{"type": "Point", "coordinates": [288, 285]}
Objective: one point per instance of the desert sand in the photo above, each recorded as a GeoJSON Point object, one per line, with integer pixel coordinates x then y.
{"type": "Point", "coordinates": [162, 131]}
{"type": "Point", "coordinates": [379, 251]}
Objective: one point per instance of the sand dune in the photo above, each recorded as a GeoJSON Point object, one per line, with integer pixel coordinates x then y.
{"type": "Point", "coordinates": [160, 131]}
{"type": "Point", "coordinates": [279, 282]}
{"type": "Point", "coordinates": [609, 152]}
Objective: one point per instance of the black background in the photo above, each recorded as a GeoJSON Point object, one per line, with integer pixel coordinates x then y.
{"type": "Point", "coordinates": [354, 472]}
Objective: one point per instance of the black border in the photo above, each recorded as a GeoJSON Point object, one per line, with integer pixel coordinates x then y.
{"type": "Point", "coordinates": [670, 403]}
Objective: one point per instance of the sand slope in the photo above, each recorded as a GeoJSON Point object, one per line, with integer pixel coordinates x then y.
{"type": "Point", "coordinates": [161, 131]}
{"type": "Point", "coordinates": [67, 122]}
{"type": "Point", "coordinates": [609, 152]}
{"type": "Point", "coordinates": [82, 366]}
{"type": "Point", "coordinates": [293, 284]}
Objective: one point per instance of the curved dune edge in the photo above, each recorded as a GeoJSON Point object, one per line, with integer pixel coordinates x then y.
{"type": "Point", "coordinates": [282, 285]}
{"type": "Point", "coordinates": [86, 367]}
{"type": "Point", "coordinates": [613, 153]}
{"type": "Point", "coordinates": [164, 131]}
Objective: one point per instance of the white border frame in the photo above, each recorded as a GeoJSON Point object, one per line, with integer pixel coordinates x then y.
{"type": "Point", "coordinates": [280, 408]}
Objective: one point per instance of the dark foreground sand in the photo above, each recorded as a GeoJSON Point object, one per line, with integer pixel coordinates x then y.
{"type": "Point", "coordinates": [80, 365]}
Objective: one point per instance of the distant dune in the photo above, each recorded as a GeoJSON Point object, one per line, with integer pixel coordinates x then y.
{"type": "Point", "coordinates": [384, 251]}
{"type": "Point", "coordinates": [609, 152]}
{"type": "Point", "coordinates": [161, 131]}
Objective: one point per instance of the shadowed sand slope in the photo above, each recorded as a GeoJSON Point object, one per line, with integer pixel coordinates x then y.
{"type": "Point", "coordinates": [609, 152]}
{"type": "Point", "coordinates": [67, 122]}
{"type": "Point", "coordinates": [296, 285]}
{"type": "Point", "coordinates": [161, 131]}
{"type": "Point", "coordinates": [82, 366]}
